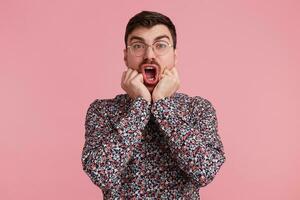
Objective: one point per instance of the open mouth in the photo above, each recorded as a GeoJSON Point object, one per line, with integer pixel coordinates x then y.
{"type": "Point", "coordinates": [150, 74]}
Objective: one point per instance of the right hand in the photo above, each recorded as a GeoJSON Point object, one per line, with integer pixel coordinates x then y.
{"type": "Point", "coordinates": [133, 84]}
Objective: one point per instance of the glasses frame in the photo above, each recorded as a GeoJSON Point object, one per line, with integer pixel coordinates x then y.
{"type": "Point", "coordinates": [148, 45]}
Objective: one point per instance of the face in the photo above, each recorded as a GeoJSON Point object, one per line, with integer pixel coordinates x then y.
{"type": "Point", "coordinates": [150, 64]}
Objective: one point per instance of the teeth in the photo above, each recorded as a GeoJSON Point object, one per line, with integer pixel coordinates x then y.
{"type": "Point", "coordinates": [149, 67]}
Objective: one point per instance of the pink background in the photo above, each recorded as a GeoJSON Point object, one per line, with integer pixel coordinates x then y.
{"type": "Point", "coordinates": [56, 57]}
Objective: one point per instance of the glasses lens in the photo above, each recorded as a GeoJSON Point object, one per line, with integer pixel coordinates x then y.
{"type": "Point", "coordinates": [161, 47]}
{"type": "Point", "coordinates": [138, 48]}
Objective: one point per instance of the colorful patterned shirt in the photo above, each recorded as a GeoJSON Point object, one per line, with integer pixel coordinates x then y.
{"type": "Point", "coordinates": [135, 149]}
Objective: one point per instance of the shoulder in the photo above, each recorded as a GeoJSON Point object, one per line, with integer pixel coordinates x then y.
{"type": "Point", "coordinates": [203, 108]}
{"type": "Point", "coordinates": [201, 103]}
{"type": "Point", "coordinates": [107, 106]}
{"type": "Point", "coordinates": [192, 100]}
{"type": "Point", "coordinates": [196, 104]}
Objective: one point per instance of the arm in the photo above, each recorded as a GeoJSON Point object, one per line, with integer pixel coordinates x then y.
{"type": "Point", "coordinates": [108, 148]}
{"type": "Point", "coordinates": [196, 147]}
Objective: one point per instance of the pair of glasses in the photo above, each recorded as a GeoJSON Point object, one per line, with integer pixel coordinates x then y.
{"type": "Point", "coordinates": [159, 48]}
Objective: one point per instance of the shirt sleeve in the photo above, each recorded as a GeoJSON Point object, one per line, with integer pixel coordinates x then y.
{"type": "Point", "coordinates": [196, 146]}
{"type": "Point", "coordinates": [108, 147]}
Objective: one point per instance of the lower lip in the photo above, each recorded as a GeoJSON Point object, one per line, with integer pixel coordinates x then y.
{"type": "Point", "coordinates": [150, 82]}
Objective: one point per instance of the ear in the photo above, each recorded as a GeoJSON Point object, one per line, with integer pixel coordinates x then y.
{"type": "Point", "coordinates": [125, 57]}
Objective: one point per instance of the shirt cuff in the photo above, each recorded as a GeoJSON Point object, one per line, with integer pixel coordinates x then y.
{"type": "Point", "coordinates": [136, 118]}
{"type": "Point", "coordinates": [166, 110]}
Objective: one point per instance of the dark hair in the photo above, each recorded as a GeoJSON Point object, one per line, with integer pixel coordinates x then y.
{"type": "Point", "coordinates": [148, 19]}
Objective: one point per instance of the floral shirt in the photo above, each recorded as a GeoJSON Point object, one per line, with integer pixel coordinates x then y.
{"type": "Point", "coordinates": [135, 149]}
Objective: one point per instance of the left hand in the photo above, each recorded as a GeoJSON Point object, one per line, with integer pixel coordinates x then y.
{"type": "Point", "coordinates": [168, 84]}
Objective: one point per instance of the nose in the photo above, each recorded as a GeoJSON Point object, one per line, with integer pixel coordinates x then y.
{"type": "Point", "coordinates": [149, 54]}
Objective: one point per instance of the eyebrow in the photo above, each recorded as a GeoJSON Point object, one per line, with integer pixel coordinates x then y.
{"type": "Point", "coordinates": [142, 39]}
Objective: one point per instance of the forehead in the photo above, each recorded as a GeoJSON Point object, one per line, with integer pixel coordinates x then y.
{"type": "Point", "coordinates": [150, 34]}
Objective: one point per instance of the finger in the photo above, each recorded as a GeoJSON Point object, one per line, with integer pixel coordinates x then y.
{"type": "Point", "coordinates": [132, 74]}
{"type": "Point", "coordinates": [174, 72]}
{"type": "Point", "coordinates": [123, 76]}
{"type": "Point", "coordinates": [140, 77]}
{"type": "Point", "coordinates": [132, 71]}
{"type": "Point", "coordinates": [167, 72]}
{"type": "Point", "coordinates": [123, 79]}
{"type": "Point", "coordinates": [162, 76]}
{"type": "Point", "coordinates": [164, 70]}
{"type": "Point", "coordinates": [176, 76]}
{"type": "Point", "coordinates": [127, 73]}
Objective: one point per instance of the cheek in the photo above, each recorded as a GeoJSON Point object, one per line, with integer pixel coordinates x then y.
{"type": "Point", "coordinates": [133, 62]}
{"type": "Point", "coordinates": [169, 62]}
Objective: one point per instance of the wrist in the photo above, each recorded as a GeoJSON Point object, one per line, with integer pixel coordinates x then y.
{"type": "Point", "coordinates": [156, 98]}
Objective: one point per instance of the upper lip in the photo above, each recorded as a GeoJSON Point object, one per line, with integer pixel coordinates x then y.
{"type": "Point", "coordinates": [144, 66]}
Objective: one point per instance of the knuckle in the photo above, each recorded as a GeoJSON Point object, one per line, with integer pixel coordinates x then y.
{"type": "Point", "coordinates": [131, 82]}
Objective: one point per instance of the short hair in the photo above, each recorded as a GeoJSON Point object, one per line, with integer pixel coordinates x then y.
{"type": "Point", "coordinates": [148, 19]}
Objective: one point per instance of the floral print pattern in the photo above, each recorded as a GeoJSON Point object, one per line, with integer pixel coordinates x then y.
{"type": "Point", "coordinates": [164, 150]}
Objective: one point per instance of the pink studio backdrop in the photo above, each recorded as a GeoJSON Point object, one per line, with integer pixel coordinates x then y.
{"type": "Point", "coordinates": [56, 57]}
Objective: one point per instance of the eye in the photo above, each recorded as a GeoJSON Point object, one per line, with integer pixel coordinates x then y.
{"type": "Point", "coordinates": [161, 45]}
{"type": "Point", "coordinates": [138, 46]}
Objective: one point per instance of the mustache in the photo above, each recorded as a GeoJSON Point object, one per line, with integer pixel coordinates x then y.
{"type": "Point", "coordinates": [147, 61]}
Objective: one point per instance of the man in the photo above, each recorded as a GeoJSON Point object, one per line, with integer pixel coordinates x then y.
{"type": "Point", "coordinates": [152, 142]}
